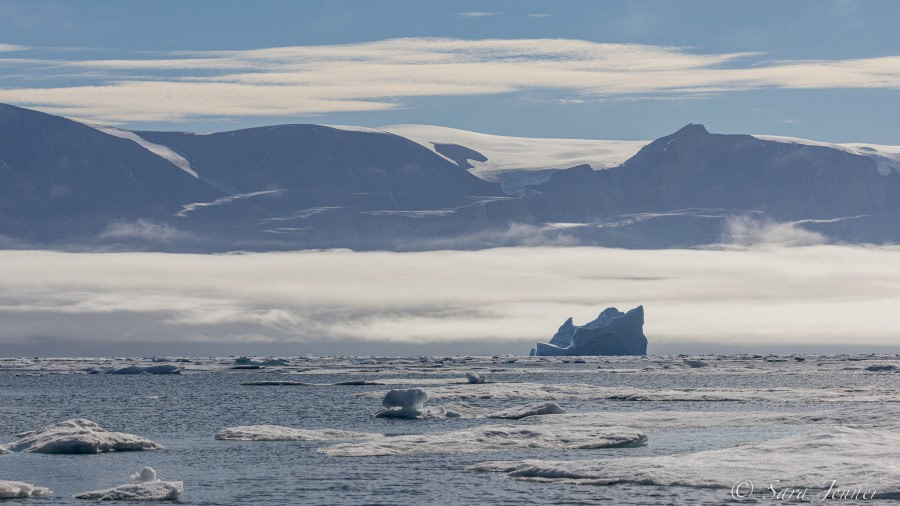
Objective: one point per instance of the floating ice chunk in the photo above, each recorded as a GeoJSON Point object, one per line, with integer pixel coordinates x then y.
{"type": "Point", "coordinates": [695, 364]}
{"type": "Point", "coordinates": [3, 450]}
{"type": "Point", "coordinates": [279, 433]}
{"type": "Point", "coordinates": [145, 475]}
{"type": "Point", "coordinates": [20, 490]}
{"type": "Point", "coordinates": [152, 369]}
{"type": "Point", "coordinates": [475, 378]}
{"type": "Point", "coordinates": [491, 437]}
{"type": "Point", "coordinates": [855, 458]}
{"type": "Point", "coordinates": [545, 408]}
{"type": "Point", "coordinates": [79, 436]}
{"type": "Point", "coordinates": [152, 491]}
{"type": "Point", "coordinates": [403, 403]}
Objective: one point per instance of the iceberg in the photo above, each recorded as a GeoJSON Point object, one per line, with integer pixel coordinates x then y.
{"type": "Point", "coordinates": [475, 378]}
{"type": "Point", "coordinates": [20, 490]}
{"type": "Point", "coordinates": [612, 333]}
{"type": "Point", "coordinates": [491, 437]}
{"type": "Point", "coordinates": [78, 436]}
{"type": "Point", "coordinates": [279, 433]}
{"type": "Point", "coordinates": [403, 404]}
{"type": "Point", "coordinates": [146, 487]}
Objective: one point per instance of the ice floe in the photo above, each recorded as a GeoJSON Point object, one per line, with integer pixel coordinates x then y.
{"type": "Point", "coordinates": [279, 433]}
{"type": "Point", "coordinates": [855, 458]}
{"type": "Point", "coordinates": [146, 487]}
{"type": "Point", "coordinates": [556, 391]}
{"type": "Point", "coordinates": [491, 437]}
{"type": "Point", "coordinates": [20, 490]}
{"type": "Point", "coordinates": [153, 369]}
{"type": "Point", "coordinates": [77, 436]}
{"type": "Point", "coordinates": [537, 409]}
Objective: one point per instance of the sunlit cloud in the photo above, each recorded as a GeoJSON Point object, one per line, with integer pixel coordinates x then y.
{"type": "Point", "coordinates": [739, 297]}
{"type": "Point", "coordinates": [386, 74]}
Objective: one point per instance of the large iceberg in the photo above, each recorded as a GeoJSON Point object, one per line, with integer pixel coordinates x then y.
{"type": "Point", "coordinates": [612, 333]}
{"type": "Point", "coordinates": [79, 436]}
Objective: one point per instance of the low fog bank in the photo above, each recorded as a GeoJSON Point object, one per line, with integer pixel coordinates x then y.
{"type": "Point", "coordinates": [760, 299]}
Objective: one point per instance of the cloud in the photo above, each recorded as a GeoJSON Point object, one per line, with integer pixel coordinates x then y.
{"type": "Point", "coordinates": [749, 298]}
{"type": "Point", "coordinates": [142, 229]}
{"type": "Point", "coordinates": [751, 231]}
{"type": "Point", "coordinates": [12, 47]}
{"type": "Point", "coordinates": [382, 75]}
{"type": "Point", "coordinates": [479, 14]}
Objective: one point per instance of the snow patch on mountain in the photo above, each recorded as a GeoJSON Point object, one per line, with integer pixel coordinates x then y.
{"type": "Point", "coordinates": [886, 157]}
{"type": "Point", "coordinates": [157, 149]}
{"type": "Point", "coordinates": [520, 153]}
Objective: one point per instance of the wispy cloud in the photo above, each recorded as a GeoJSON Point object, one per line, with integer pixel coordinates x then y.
{"type": "Point", "coordinates": [381, 75]}
{"type": "Point", "coordinates": [12, 47]}
{"type": "Point", "coordinates": [750, 298]}
{"type": "Point", "coordinates": [479, 14]}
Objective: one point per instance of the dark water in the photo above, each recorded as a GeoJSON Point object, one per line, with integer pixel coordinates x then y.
{"type": "Point", "coordinates": [183, 412]}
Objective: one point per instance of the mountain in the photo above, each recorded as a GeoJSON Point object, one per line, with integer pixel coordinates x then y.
{"type": "Point", "coordinates": [64, 184]}
{"type": "Point", "coordinates": [64, 181]}
{"type": "Point", "coordinates": [679, 189]}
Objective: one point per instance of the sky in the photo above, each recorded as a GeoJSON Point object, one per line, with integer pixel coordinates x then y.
{"type": "Point", "coordinates": [819, 69]}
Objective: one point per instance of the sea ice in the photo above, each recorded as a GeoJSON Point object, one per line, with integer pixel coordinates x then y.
{"type": "Point", "coordinates": [152, 369]}
{"type": "Point", "coordinates": [515, 413]}
{"type": "Point", "coordinates": [855, 458]}
{"type": "Point", "coordinates": [491, 437]}
{"type": "Point", "coordinates": [78, 436]}
{"type": "Point", "coordinates": [20, 490]}
{"type": "Point", "coordinates": [279, 433]}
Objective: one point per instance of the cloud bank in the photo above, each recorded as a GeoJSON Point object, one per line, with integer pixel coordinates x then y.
{"type": "Point", "coordinates": [386, 74]}
{"type": "Point", "coordinates": [754, 299]}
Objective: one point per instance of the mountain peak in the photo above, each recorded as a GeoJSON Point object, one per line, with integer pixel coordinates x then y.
{"type": "Point", "coordinates": [692, 129]}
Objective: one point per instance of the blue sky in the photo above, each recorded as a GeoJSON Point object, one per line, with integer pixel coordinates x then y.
{"type": "Point", "coordinates": [587, 69]}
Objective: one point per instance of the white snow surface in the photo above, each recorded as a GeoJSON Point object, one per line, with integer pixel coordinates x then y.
{"type": "Point", "coordinates": [887, 157]}
{"type": "Point", "coordinates": [855, 458]}
{"type": "Point", "coordinates": [279, 433]}
{"type": "Point", "coordinates": [157, 149]}
{"type": "Point", "coordinates": [151, 491]}
{"type": "Point", "coordinates": [77, 436]}
{"type": "Point", "coordinates": [491, 437]}
{"type": "Point", "coordinates": [20, 490]}
{"type": "Point", "coordinates": [522, 153]}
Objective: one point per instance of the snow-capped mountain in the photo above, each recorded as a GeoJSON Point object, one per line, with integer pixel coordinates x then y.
{"type": "Point", "coordinates": [69, 185]}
